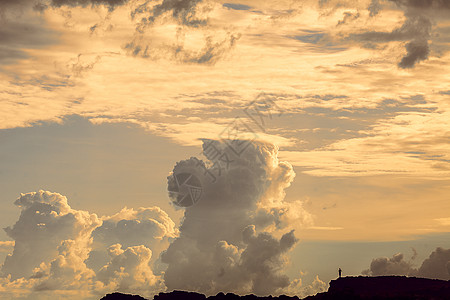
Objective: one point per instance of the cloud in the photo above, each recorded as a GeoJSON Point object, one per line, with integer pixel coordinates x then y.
{"type": "Point", "coordinates": [59, 249]}
{"type": "Point", "coordinates": [413, 27]}
{"type": "Point", "coordinates": [390, 266]}
{"type": "Point", "coordinates": [374, 7]}
{"type": "Point", "coordinates": [184, 12]}
{"type": "Point", "coordinates": [435, 4]}
{"type": "Point", "coordinates": [417, 50]}
{"type": "Point", "coordinates": [262, 260]}
{"type": "Point", "coordinates": [420, 15]}
{"type": "Point", "coordinates": [12, 5]}
{"type": "Point", "coordinates": [210, 53]}
{"type": "Point", "coordinates": [416, 29]}
{"type": "Point", "coordinates": [150, 227]}
{"type": "Point", "coordinates": [436, 266]}
{"type": "Point", "coordinates": [348, 17]}
{"type": "Point", "coordinates": [6, 246]}
{"type": "Point", "coordinates": [111, 4]}
{"type": "Point", "coordinates": [296, 288]}
{"type": "Point", "coordinates": [420, 20]}
{"type": "Point", "coordinates": [129, 270]}
{"type": "Point", "coordinates": [236, 6]}
{"type": "Point", "coordinates": [67, 270]}
{"type": "Point", "coordinates": [45, 221]}
{"type": "Point", "coordinates": [236, 236]}
{"type": "Point", "coordinates": [191, 18]}
{"type": "Point", "coordinates": [21, 33]}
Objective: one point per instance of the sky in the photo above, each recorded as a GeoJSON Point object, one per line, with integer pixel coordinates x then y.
{"type": "Point", "coordinates": [317, 132]}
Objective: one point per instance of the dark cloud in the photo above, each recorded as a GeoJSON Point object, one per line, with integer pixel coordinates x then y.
{"type": "Point", "coordinates": [411, 29]}
{"type": "Point", "coordinates": [20, 35]}
{"type": "Point", "coordinates": [9, 55]}
{"type": "Point", "coordinates": [212, 51]}
{"type": "Point", "coordinates": [8, 5]}
{"type": "Point", "coordinates": [374, 7]}
{"type": "Point", "coordinates": [41, 5]}
{"type": "Point", "coordinates": [190, 16]}
{"type": "Point", "coordinates": [320, 41]}
{"type": "Point", "coordinates": [436, 266]}
{"type": "Point", "coordinates": [423, 4]}
{"type": "Point", "coordinates": [416, 30]}
{"type": "Point", "coordinates": [184, 12]}
{"type": "Point", "coordinates": [348, 17]}
{"type": "Point", "coordinates": [417, 50]}
{"type": "Point", "coordinates": [236, 6]}
{"type": "Point", "coordinates": [390, 266]}
{"type": "Point", "coordinates": [312, 38]}
{"type": "Point", "coordinates": [421, 14]}
{"type": "Point", "coordinates": [83, 3]}
{"type": "Point", "coordinates": [78, 66]}
{"type": "Point", "coordinates": [262, 259]}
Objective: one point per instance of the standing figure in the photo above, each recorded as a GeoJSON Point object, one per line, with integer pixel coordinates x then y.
{"type": "Point", "coordinates": [340, 272]}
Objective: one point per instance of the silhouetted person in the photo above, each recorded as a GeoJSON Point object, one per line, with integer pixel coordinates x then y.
{"type": "Point", "coordinates": [340, 272]}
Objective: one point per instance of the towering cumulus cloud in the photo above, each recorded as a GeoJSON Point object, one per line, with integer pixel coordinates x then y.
{"type": "Point", "coordinates": [236, 235]}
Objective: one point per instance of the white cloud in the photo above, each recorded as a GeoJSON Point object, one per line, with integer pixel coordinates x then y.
{"type": "Point", "coordinates": [150, 227]}
{"type": "Point", "coordinates": [296, 288]}
{"type": "Point", "coordinates": [57, 250]}
{"type": "Point", "coordinates": [236, 236]}
{"type": "Point", "coordinates": [45, 222]}
{"type": "Point", "coordinates": [129, 270]}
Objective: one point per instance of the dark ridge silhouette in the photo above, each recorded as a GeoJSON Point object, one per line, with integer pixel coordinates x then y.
{"type": "Point", "coordinates": [386, 288]}
{"type": "Point", "coordinates": [120, 296]}
{"type": "Point", "coordinates": [344, 288]}
{"type": "Point", "coordinates": [180, 295]}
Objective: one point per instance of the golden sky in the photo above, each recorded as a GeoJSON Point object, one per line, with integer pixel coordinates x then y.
{"type": "Point", "coordinates": [100, 98]}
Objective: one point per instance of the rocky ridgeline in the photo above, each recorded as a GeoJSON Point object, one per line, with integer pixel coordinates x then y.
{"type": "Point", "coordinates": [182, 295]}
{"type": "Point", "coordinates": [346, 288]}
{"type": "Point", "coordinates": [386, 288]}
